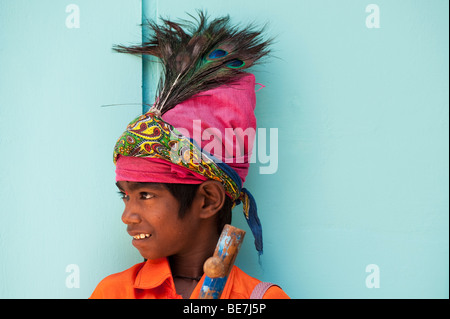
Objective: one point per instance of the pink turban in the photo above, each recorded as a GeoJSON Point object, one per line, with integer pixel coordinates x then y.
{"type": "Point", "coordinates": [227, 112]}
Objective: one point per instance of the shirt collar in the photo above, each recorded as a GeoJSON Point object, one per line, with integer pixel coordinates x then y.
{"type": "Point", "coordinates": [153, 274]}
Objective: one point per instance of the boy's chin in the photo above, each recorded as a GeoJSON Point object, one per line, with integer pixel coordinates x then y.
{"type": "Point", "coordinates": [151, 255]}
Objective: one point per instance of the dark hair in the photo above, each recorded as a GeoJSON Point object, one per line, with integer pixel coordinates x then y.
{"type": "Point", "coordinates": [185, 194]}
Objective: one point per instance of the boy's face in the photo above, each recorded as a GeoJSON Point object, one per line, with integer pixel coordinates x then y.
{"type": "Point", "coordinates": [151, 212]}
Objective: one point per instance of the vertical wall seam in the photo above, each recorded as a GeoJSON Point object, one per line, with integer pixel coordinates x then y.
{"type": "Point", "coordinates": [150, 70]}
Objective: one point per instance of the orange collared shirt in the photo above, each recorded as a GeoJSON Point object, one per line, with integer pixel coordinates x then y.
{"type": "Point", "coordinates": [153, 280]}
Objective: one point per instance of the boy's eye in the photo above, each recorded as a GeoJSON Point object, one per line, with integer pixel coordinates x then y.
{"type": "Point", "coordinates": [122, 195]}
{"type": "Point", "coordinates": [145, 195]}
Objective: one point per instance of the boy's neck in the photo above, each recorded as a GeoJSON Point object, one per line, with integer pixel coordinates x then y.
{"type": "Point", "coordinates": [191, 263]}
{"type": "Point", "coordinates": [188, 267]}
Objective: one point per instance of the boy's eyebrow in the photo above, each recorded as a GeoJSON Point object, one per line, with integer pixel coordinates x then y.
{"type": "Point", "coordinates": [137, 185]}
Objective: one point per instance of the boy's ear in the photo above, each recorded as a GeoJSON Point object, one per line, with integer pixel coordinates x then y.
{"type": "Point", "coordinates": [211, 197]}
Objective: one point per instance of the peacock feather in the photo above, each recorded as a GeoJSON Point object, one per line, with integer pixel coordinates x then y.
{"type": "Point", "coordinates": [199, 55]}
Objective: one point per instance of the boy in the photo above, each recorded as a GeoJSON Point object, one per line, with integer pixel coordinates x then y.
{"type": "Point", "coordinates": [178, 185]}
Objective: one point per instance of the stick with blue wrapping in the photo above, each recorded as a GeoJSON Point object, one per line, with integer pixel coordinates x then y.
{"type": "Point", "coordinates": [218, 267]}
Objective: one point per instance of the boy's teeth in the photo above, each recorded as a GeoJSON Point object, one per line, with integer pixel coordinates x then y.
{"type": "Point", "coordinates": [141, 236]}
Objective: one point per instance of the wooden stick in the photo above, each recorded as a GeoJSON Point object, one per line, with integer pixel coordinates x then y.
{"type": "Point", "coordinates": [218, 267]}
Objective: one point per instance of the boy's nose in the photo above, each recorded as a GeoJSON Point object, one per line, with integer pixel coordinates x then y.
{"type": "Point", "coordinates": [130, 216]}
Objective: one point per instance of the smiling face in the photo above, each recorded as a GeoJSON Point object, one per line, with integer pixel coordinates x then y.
{"type": "Point", "coordinates": [152, 219]}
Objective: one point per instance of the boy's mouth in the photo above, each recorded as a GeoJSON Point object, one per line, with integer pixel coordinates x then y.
{"type": "Point", "coordinates": [141, 236]}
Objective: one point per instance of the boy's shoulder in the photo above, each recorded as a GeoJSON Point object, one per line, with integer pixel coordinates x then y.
{"type": "Point", "coordinates": [243, 285]}
{"type": "Point", "coordinates": [116, 286]}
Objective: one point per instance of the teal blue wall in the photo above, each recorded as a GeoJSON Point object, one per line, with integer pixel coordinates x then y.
{"type": "Point", "coordinates": [58, 201]}
{"type": "Point", "coordinates": [362, 119]}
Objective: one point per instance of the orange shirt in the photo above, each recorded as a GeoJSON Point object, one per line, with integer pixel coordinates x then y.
{"type": "Point", "coordinates": [153, 280]}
